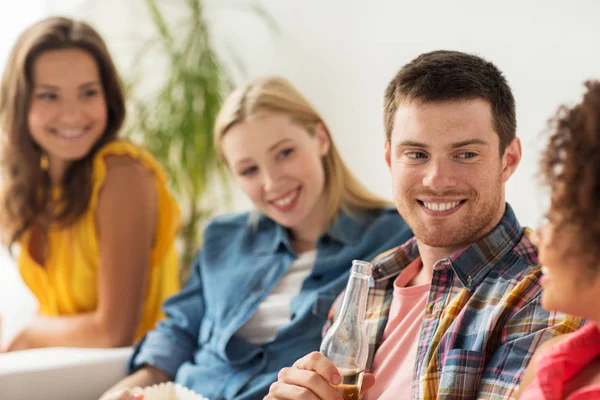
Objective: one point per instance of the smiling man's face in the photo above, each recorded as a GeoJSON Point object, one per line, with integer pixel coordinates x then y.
{"type": "Point", "coordinates": [447, 171]}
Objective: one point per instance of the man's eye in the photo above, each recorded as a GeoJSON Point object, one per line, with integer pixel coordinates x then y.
{"type": "Point", "coordinates": [467, 154]}
{"type": "Point", "coordinates": [416, 154]}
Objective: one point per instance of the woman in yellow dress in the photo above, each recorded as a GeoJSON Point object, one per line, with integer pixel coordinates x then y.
{"type": "Point", "coordinates": [91, 215]}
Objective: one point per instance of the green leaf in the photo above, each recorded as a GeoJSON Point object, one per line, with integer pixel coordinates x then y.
{"type": "Point", "coordinates": [176, 122]}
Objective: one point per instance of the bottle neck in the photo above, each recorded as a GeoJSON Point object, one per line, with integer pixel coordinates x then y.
{"type": "Point", "coordinates": [354, 304]}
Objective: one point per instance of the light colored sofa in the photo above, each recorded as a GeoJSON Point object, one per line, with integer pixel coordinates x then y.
{"type": "Point", "coordinates": [61, 373]}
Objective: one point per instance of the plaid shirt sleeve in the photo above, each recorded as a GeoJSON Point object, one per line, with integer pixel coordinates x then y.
{"type": "Point", "coordinates": [494, 373]}
{"type": "Point", "coordinates": [524, 332]}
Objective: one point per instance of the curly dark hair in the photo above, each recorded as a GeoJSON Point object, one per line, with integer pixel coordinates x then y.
{"type": "Point", "coordinates": [570, 167]}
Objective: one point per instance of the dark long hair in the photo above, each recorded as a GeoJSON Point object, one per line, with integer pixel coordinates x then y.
{"type": "Point", "coordinates": [25, 190]}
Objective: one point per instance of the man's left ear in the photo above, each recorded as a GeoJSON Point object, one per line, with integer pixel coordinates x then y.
{"type": "Point", "coordinates": [323, 137]}
{"type": "Point", "coordinates": [511, 158]}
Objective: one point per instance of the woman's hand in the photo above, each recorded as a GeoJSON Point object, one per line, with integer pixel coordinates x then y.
{"type": "Point", "coordinates": [146, 376]}
{"type": "Point", "coordinates": [122, 394]}
{"type": "Point", "coordinates": [21, 341]}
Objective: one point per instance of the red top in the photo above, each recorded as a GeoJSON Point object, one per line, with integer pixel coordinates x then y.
{"type": "Point", "coordinates": [563, 361]}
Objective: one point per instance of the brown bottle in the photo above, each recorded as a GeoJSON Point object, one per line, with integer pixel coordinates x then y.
{"type": "Point", "coordinates": [351, 383]}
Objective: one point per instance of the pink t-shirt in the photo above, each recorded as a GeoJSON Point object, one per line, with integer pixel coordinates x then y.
{"type": "Point", "coordinates": [561, 362]}
{"type": "Point", "coordinates": [394, 361]}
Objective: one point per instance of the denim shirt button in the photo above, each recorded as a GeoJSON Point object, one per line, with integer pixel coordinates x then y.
{"type": "Point", "coordinates": [293, 316]}
{"type": "Point", "coordinates": [317, 277]}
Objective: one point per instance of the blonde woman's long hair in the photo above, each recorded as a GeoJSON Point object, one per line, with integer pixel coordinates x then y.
{"type": "Point", "coordinates": [276, 96]}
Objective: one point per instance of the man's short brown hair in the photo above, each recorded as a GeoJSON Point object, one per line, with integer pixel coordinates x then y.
{"type": "Point", "coordinates": [450, 76]}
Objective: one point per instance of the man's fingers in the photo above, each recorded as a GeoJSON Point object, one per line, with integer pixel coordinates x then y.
{"type": "Point", "coordinates": [317, 362]}
{"type": "Point", "coordinates": [284, 391]}
{"type": "Point", "coordinates": [296, 383]}
{"type": "Point", "coordinates": [308, 383]}
{"type": "Point", "coordinates": [367, 383]}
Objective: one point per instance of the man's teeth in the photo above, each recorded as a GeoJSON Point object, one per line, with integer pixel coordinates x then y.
{"type": "Point", "coordinates": [285, 200]}
{"type": "Point", "coordinates": [441, 206]}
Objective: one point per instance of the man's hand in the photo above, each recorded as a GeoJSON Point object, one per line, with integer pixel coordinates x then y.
{"type": "Point", "coordinates": [311, 378]}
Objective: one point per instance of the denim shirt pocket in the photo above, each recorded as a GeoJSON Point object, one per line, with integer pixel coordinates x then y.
{"type": "Point", "coordinates": [461, 373]}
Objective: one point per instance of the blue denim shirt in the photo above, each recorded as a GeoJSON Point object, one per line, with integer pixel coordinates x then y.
{"type": "Point", "coordinates": [239, 265]}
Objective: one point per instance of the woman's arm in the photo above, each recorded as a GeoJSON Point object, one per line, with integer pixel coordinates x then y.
{"type": "Point", "coordinates": [146, 376]}
{"type": "Point", "coordinates": [126, 219]}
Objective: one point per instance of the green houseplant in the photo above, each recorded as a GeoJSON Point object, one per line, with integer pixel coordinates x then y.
{"type": "Point", "coordinates": [175, 122]}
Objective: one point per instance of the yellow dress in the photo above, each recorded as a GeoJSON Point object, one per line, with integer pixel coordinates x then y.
{"type": "Point", "coordinates": [68, 282]}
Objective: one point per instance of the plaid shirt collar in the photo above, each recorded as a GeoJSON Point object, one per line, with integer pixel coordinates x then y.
{"type": "Point", "coordinates": [470, 264]}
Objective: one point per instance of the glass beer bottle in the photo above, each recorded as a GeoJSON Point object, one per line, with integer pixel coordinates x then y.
{"type": "Point", "coordinates": [346, 343]}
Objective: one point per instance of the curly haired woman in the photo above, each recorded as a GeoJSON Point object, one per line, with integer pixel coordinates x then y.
{"type": "Point", "coordinates": [568, 366]}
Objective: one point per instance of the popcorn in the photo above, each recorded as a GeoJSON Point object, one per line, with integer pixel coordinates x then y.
{"type": "Point", "coordinates": [167, 391]}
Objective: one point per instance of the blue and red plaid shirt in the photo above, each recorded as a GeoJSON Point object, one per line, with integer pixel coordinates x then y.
{"type": "Point", "coordinates": [483, 320]}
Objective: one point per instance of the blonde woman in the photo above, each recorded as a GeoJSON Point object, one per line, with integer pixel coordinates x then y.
{"type": "Point", "coordinates": [262, 286]}
{"type": "Point", "coordinates": [92, 214]}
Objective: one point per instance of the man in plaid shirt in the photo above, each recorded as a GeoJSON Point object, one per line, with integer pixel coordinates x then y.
{"type": "Point", "coordinates": [454, 313]}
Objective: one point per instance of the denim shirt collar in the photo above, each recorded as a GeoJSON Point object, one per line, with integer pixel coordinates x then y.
{"type": "Point", "coordinates": [470, 264]}
{"type": "Point", "coordinates": [346, 229]}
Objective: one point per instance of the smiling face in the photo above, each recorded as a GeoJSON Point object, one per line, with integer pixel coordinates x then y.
{"type": "Point", "coordinates": [68, 112]}
{"type": "Point", "coordinates": [570, 280]}
{"type": "Point", "coordinates": [447, 172]}
{"type": "Point", "coordinates": [278, 164]}
{"type": "Point", "coordinates": [568, 241]}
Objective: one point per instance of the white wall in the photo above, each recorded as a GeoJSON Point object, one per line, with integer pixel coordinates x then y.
{"type": "Point", "coordinates": [13, 19]}
{"type": "Point", "coordinates": [342, 53]}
